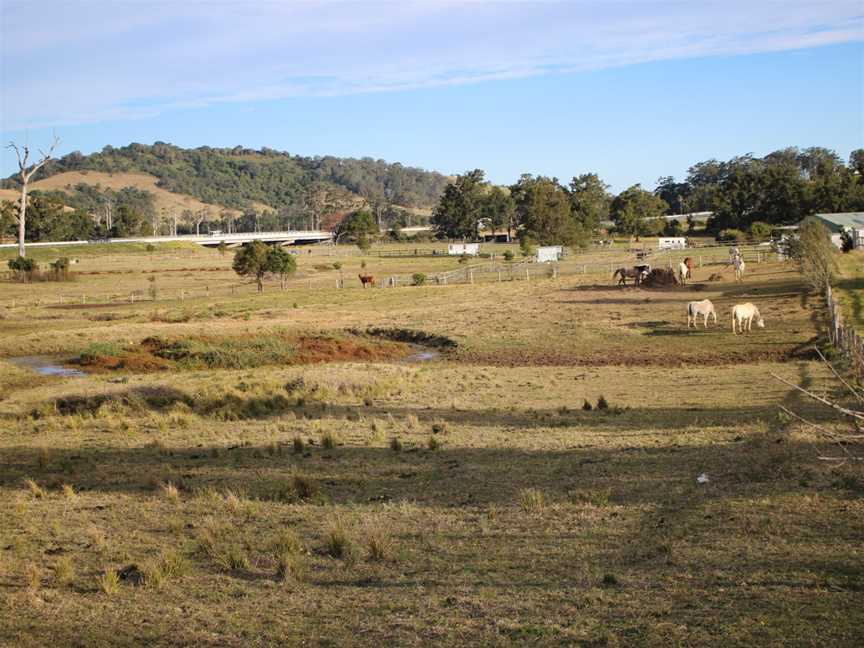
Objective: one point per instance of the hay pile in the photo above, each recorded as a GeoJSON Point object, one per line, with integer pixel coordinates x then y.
{"type": "Point", "coordinates": [660, 277]}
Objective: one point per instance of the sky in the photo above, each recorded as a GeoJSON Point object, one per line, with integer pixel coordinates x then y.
{"type": "Point", "coordinates": [630, 90]}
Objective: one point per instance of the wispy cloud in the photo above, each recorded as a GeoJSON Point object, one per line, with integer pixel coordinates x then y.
{"type": "Point", "coordinates": [68, 62]}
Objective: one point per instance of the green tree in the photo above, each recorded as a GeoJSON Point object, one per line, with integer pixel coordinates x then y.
{"type": "Point", "coordinates": [356, 226]}
{"type": "Point", "coordinates": [543, 210]}
{"type": "Point", "coordinates": [589, 201]}
{"type": "Point", "coordinates": [636, 211]}
{"type": "Point", "coordinates": [128, 221]}
{"type": "Point", "coordinates": [258, 260]}
{"type": "Point", "coordinates": [498, 210]}
{"type": "Point", "coordinates": [460, 209]}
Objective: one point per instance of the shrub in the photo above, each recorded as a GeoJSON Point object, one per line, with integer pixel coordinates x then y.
{"type": "Point", "coordinates": [395, 444]}
{"type": "Point", "coordinates": [298, 445]}
{"type": "Point", "coordinates": [304, 487]}
{"type": "Point", "coordinates": [433, 444]}
{"type": "Point", "coordinates": [378, 545]}
{"type": "Point", "coordinates": [60, 269]}
{"type": "Point", "coordinates": [418, 279]}
{"type": "Point", "coordinates": [732, 235]}
{"type": "Point", "coordinates": [337, 266]}
{"type": "Point", "coordinates": [290, 567]}
{"type": "Point", "coordinates": [463, 258]}
{"type": "Point", "coordinates": [760, 230]}
{"type": "Point", "coordinates": [339, 542]}
{"type": "Point", "coordinates": [23, 268]}
{"type": "Point", "coordinates": [587, 406]}
{"type": "Point", "coordinates": [508, 255]}
{"type": "Point", "coordinates": [527, 246]}
{"type": "Point", "coordinates": [108, 582]}
{"type": "Point", "coordinates": [439, 427]}
{"type": "Point", "coordinates": [532, 500]}
{"type": "Point", "coordinates": [328, 441]}
{"type": "Point", "coordinates": [64, 570]}
{"type": "Point", "coordinates": [602, 404]}
{"type": "Point", "coordinates": [34, 488]}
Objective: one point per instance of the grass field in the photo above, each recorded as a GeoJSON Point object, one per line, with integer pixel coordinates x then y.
{"type": "Point", "coordinates": [417, 466]}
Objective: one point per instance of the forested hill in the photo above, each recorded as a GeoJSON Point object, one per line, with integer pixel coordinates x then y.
{"type": "Point", "coordinates": [237, 177]}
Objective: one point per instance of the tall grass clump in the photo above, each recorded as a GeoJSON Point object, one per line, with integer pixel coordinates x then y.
{"type": "Point", "coordinates": [532, 500]}
{"type": "Point", "coordinates": [108, 582]}
{"type": "Point", "coordinates": [64, 570]}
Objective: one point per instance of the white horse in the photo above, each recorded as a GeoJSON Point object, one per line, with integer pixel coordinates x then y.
{"type": "Point", "coordinates": [683, 272]}
{"type": "Point", "coordinates": [739, 268]}
{"type": "Point", "coordinates": [704, 308]}
{"type": "Point", "coordinates": [742, 317]}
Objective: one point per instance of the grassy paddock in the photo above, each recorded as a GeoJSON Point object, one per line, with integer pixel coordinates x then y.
{"type": "Point", "coordinates": [470, 499]}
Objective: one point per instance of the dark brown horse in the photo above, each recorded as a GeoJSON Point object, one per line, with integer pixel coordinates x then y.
{"type": "Point", "coordinates": [367, 279]}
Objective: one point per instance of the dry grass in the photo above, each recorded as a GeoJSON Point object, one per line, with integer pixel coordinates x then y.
{"type": "Point", "coordinates": [533, 523]}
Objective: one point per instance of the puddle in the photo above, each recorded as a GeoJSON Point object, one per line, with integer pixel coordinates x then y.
{"type": "Point", "coordinates": [422, 356]}
{"type": "Point", "coordinates": [44, 366]}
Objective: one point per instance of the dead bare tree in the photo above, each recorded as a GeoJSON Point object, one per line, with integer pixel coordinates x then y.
{"type": "Point", "coordinates": [853, 414]}
{"type": "Point", "coordinates": [25, 172]}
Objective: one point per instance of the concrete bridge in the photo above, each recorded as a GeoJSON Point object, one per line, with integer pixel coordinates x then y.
{"type": "Point", "coordinates": [299, 237]}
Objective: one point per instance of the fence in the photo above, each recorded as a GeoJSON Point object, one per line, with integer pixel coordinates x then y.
{"type": "Point", "coordinates": [483, 271]}
{"type": "Point", "coordinates": [844, 338]}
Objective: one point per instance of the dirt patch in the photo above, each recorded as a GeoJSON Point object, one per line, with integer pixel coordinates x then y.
{"type": "Point", "coordinates": [333, 349]}
{"type": "Point", "coordinates": [630, 358]}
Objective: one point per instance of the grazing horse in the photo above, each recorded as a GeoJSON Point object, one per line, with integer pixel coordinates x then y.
{"type": "Point", "coordinates": [703, 308]}
{"type": "Point", "coordinates": [742, 317]}
{"type": "Point", "coordinates": [634, 273]}
{"type": "Point", "coordinates": [367, 279]}
{"type": "Point", "coordinates": [739, 268]}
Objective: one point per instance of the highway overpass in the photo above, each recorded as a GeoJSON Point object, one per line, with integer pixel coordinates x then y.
{"type": "Point", "coordinates": [300, 237]}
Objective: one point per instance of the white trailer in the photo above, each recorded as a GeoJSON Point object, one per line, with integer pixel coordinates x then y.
{"type": "Point", "coordinates": [459, 249]}
{"type": "Point", "coordinates": [549, 253]}
{"type": "Point", "coordinates": [671, 243]}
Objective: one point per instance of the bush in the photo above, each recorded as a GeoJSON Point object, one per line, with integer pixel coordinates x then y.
{"type": "Point", "coordinates": [760, 230]}
{"type": "Point", "coordinates": [602, 404]}
{"type": "Point", "coordinates": [527, 246]}
{"type": "Point", "coordinates": [23, 268]}
{"type": "Point", "coordinates": [732, 235]}
{"type": "Point", "coordinates": [508, 255]}
{"type": "Point", "coordinates": [418, 279]}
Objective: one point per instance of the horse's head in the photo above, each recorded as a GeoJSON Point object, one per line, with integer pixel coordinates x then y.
{"type": "Point", "coordinates": [760, 323]}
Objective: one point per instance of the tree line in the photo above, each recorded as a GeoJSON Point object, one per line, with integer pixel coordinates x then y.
{"type": "Point", "coordinates": [745, 195]}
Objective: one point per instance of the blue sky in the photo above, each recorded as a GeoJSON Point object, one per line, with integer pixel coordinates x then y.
{"type": "Point", "coordinates": [631, 90]}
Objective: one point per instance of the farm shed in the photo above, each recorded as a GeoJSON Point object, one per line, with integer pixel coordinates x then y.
{"type": "Point", "coordinates": [838, 223]}
{"type": "Point", "coordinates": [458, 249]}
{"type": "Point", "coordinates": [671, 243]}
{"type": "Point", "coordinates": [549, 253]}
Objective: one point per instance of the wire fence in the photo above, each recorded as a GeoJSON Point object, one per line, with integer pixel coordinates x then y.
{"type": "Point", "coordinates": [488, 270]}
{"type": "Point", "coordinates": [844, 337]}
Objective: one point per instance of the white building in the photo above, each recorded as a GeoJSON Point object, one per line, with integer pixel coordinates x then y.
{"type": "Point", "coordinates": [671, 243]}
{"type": "Point", "coordinates": [468, 249]}
{"type": "Point", "coordinates": [549, 253]}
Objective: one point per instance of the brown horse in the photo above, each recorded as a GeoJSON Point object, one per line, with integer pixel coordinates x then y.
{"type": "Point", "coordinates": [688, 261]}
{"type": "Point", "coordinates": [367, 279]}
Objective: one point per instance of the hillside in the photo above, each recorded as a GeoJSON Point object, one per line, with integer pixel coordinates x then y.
{"type": "Point", "coordinates": [162, 198]}
{"type": "Point", "coordinates": [242, 178]}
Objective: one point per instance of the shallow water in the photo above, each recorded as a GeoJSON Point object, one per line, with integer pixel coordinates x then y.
{"type": "Point", "coordinates": [44, 366]}
{"type": "Point", "coordinates": [422, 356]}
